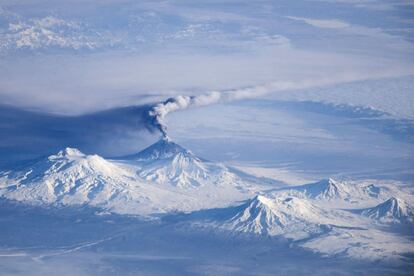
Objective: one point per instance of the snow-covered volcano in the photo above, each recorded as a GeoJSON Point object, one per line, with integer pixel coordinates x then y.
{"type": "Point", "coordinates": [166, 162]}
{"type": "Point", "coordinates": [162, 149]}
{"type": "Point", "coordinates": [69, 173]}
{"type": "Point", "coordinates": [394, 210]}
{"type": "Point", "coordinates": [73, 178]}
{"type": "Point", "coordinates": [311, 224]}
{"type": "Point", "coordinates": [165, 178]}
{"type": "Point", "coordinates": [290, 217]}
{"type": "Point", "coordinates": [332, 190]}
{"type": "Point", "coordinates": [131, 186]}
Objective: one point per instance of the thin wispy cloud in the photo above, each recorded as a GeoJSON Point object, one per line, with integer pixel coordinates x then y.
{"type": "Point", "coordinates": [102, 54]}
{"type": "Point", "coordinates": [323, 23]}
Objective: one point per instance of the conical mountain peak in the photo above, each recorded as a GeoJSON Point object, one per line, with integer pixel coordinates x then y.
{"type": "Point", "coordinates": [164, 148]}
{"type": "Point", "coordinates": [69, 152]}
{"type": "Point", "coordinates": [393, 210]}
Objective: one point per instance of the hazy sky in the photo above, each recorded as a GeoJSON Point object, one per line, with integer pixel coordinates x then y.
{"type": "Point", "coordinates": [80, 56]}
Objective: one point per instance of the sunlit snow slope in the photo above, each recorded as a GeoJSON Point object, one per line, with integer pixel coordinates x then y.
{"type": "Point", "coordinates": [164, 177]}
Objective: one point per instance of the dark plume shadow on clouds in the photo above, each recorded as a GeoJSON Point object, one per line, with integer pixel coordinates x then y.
{"type": "Point", "coordinates": [26, 135]}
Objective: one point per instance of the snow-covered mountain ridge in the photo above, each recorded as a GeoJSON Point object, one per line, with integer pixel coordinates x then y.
{"type": "Point", "coordinates": [329, 189]}
{"type": "Point", "coordinates": [290, 217]}
{"type": "Point", "coordinates": [166, 178]}
{"type": "Point", "coordinates": [307, 223]}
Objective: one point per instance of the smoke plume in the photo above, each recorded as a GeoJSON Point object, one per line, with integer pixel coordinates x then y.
{"type": "Point", "coordinates": [158, 112]}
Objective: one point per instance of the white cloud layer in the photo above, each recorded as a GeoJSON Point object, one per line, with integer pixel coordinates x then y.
{"type": "Point", "coordinates": [69, 58]}
{"type": "Point", "coordinates": [326, 23]}
{"type": "Point", "coordinates": [48, 32]}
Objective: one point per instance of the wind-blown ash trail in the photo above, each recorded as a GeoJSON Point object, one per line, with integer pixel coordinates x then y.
{"type": "Point", "coordinates": [158, 112]}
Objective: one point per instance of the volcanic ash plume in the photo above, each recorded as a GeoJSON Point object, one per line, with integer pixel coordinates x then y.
{"type": "Point", "coordinates": [159, 111]}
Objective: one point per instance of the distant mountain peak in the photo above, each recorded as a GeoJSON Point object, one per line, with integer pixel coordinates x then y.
{"type": "Point", "coordinates": [328, 183]}
{"type": "Point", "coordinates": [166, 162]}
{"type": "Point", "coordinates": [69, 177]}
{"type": "Point", "coordinates": [394, 201]}
{"type": "Point", "coordinates": [330, 189]}
{"type": "Point", "coordinates": [324, 189]}
{"type": "Point", "coordinates": [68, 152]}
{"type": "Point", "coordinates": [166, 138]}
{"type": "Point", "coordinates": [298, 218]}
{"type": "Point", "coordinates": [392, 210]}
{"type": "Point", "coordinates": [262, 199]}
{"type": "Point", "coordinates": [164, 148]}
